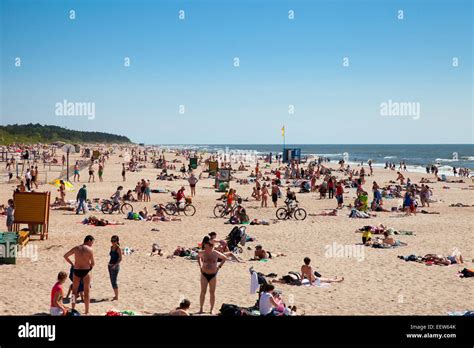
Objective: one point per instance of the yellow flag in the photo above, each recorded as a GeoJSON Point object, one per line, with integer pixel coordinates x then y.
{"type": "Point", "coordinates": [283, 131]}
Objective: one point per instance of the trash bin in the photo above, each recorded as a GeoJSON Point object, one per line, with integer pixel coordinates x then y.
{"type": "Point", "coordinates": [8, 247]}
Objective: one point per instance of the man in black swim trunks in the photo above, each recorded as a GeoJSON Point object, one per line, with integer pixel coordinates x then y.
{"type": "Point", "coordinates": [83, 264]}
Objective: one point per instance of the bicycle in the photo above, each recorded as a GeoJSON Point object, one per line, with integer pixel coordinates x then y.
{"type": "Point", "coordinates": [172, 208]}
{"type": "Point", "coordinates": [288, 212]}
{"type": "Point", "coordinates": [108, 207]}
{"type": "Point", "coordinates": [221, 210]}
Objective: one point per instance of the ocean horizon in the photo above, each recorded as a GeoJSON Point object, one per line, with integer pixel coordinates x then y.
{"type": "Point", "coordinates": [416, 156]}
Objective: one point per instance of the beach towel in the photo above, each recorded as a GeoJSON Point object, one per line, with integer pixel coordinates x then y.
{"type": "Point", "coordinates": [254, 286]}
{"type": "Point", "coordinates": [317, 283]}
{"type": "Point", "coordinates": [358, 214]}
{"type": "Point", "coordinates": [461, 313]}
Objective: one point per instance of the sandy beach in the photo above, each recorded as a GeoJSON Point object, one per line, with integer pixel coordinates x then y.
{"type": "Point", "coordinates": [376, 282]}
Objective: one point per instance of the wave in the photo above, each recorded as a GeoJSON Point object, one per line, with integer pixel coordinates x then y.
{"type": "Point", "coordinates": [387, 157]}
{"type": "Point", "coordinates": [327, 154]}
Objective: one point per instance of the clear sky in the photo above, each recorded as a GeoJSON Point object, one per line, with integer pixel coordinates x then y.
{"type": "Point", "coordinates": [283, 62]}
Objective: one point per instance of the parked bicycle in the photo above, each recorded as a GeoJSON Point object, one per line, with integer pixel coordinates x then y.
{"type": "Point", "coordinates": [221, 210]}
{"type": "Point", "coordinates": [173, 208]}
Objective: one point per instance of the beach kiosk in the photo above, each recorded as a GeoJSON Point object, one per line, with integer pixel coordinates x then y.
{"type": "Point", "coordinates": [213, 167]}
{"type": "Point", "coordinates": [291, 155]}
{"type": "Point", "coordinates": [32, 208]}
{"type": "Point", "coordinates": [95, 155]}
{"type": "Point", "coordinates": [222, 179]}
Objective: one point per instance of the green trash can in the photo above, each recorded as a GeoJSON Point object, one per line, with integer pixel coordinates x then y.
{"type": "Point", "coordinates": [8, 247]}
{"type": "Point", "coordinates": [223, 186]}
{"type": "Point", "coordinates": [193, 162]}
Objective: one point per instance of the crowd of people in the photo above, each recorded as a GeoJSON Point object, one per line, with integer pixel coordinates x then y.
{"type": "Point", "coordinates": [277, 184]}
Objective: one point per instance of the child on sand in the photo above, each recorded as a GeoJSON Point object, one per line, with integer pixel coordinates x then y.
{"type": "Point", "coordinates": [57, 307]}
{"type": "Point", "coordinates": [10, 212]}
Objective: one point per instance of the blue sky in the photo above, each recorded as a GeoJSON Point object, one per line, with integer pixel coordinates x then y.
{"type": "Point", "coordinates": [190, 62]}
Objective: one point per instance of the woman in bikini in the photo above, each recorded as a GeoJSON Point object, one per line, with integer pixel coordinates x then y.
{"type": "Point", "coordinates": [207, 260]}
{"type": "Point", "coordinates": [264, 196]}
{"type": "Point", "coordinates": [76, 172]}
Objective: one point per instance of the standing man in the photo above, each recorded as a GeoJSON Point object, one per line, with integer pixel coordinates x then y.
{"type": "Point", "coordinates": [81, 198]}
{"type": "Point", "coordinates": [192, 184]}
{"type": "Point", "coordinates": [123, 171]}
{"type": "Point", "coordinates": [28, 179]}
{"type": "Point", "coordinates": [275, 190]}
{"type": "Point", "coordinates": [83, 264]}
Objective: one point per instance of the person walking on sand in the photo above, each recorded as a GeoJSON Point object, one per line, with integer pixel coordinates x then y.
{"type": "Point", "coordinates": [207, 260]}
{"type": "Point", "coordinates": [91, 173]}
{"type": "Point", "coordinates": [76, 172]}
{"type": "Point", "coordinates": [275, 191]}
{"type": "Point", "coordinates": [28, 179]}
{"type": "Point", "coordinates": [123, 171]}
{"type": "Point", "coordinates": [81, 198]}
{"type": "Point", "coordinates": [83, 264]}
{"type": "Point", "coordinates": [114, 264]}
{"type": "Point", "coordinates": [34, 176]}
{"type": "Point", "coordinates": [101, 171]}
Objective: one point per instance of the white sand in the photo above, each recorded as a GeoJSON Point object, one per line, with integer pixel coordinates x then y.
{"type": "Point", "coordinates": [380, 284]}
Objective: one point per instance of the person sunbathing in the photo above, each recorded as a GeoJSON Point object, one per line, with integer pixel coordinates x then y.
{"type": "Point", "coordinates": [455, 258]}
{"type": "Point", "coordinates": [160, 215]}
{"type": "Point", "coordinates": [385, 242]}
{"type": "Point", "coordinates": [261, 254]}
{"type": "Point", "coordinates": [426, 181]}
{"type": "Point", "coordinates": [333, 212]}
{"type": "Point", "coordinates": [183, 308]}
{"type": "Point", "coordinates": [375, 206]}
{"type": "Point", "coordinates": [315, 277]}
{"type": "Point", "coordinates": [429, 212]}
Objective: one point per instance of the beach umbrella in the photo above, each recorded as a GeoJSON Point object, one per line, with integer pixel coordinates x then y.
{"type": "Point", "coordinates": [67, 184]}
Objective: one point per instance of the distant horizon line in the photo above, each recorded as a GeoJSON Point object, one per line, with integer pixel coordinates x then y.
{"type": "Point", "coordinates": [202, 144]}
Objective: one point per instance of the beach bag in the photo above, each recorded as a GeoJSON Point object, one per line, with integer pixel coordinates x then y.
{"type": "Point", "coordinates": [73, 313]}
{"type": "Point", "coordinates": [292, 278]}
{"type": "Point", "coordinates": [261, 279]}
{"type": "Point", "coordinates": [230, 310]}
{"type": "Point", "coordinates": [467, 273]}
